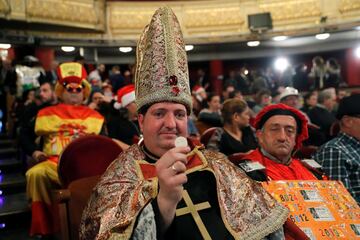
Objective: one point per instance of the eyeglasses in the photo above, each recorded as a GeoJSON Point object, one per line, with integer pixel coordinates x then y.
{"type": "Point", "coordinates": [73, 89]}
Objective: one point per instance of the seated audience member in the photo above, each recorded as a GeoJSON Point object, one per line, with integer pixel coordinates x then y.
{"type": "Point", "coordinates": [280, 130]}
{"type": "Point", "coordinates": [58, 125]}
{"type": "Point", "coordinates": [106, 89]}
{"type": "Point", "coordinates": [212, 114]}
{"type": "Point", "coordinates": [310, 101]}
{"type": "Point", "coordinates": [236, 94]}
{"type": "Point", "coordinates": [290, 97]}
{"type": "Point", "coordinates": [262, 99]}
{"type": "Point", "coordinates": [96, 97]}
{"type": "Point", "coordinates": [236, 135]}
{"type": "Point", "coordinates": [321, 114]}
{"type": "Point", "coordinates": [341, 93]}
{"type": "Point", "coordinates": [95, 77]}
{"type": "Point", "coordinates": [226, 92]}
{"type": "Point", "coordinates": [200, 95]}
{"type": "Point", "coordinates": [27, 135]}
{"type": "Point", "coordinates": [124, 125]}
{"type": "Point", "coordinates": [340, 157]}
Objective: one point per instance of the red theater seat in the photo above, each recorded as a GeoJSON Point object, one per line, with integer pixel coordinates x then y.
{"type": "Point", "coordinates": [80, 167]}
{"type": "Point", "coordinates": [206, 135]}
{"type": "Point", "coordinates": [85, 157]}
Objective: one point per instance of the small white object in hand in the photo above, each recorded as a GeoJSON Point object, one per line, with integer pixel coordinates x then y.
{"type": "Point", "coordinates": [181, 142]}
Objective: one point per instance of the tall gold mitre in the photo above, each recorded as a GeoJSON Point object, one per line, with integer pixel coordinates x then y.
{"type": "Point", "coordinates": [161, 64]}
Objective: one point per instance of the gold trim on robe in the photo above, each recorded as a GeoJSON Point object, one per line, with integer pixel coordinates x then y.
{"type": "Point", "coordinates": [247, 210]}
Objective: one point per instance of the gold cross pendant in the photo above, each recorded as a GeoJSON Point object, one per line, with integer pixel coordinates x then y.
{"type": "Point", "coordinates": [193, 210]}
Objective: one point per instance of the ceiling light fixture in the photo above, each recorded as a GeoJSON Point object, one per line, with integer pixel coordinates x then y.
{"type": "Point", "coordinates": [322, 36]}
{"type": "Point", "coordinates": [5, 45]}
{"type": "Point", "coordinates": [279, 38]}
{"type": "Point", "coordinates": [253, 43]}
{"type": "Point", "coordinates": [68, 48]}
{"type": "Point", "coordinates": [125, 49]}
{"type": "Point", "coordinates": [357, 52]}
{"type": "Point", "coordinates": [281, 64]}
{"type": "Point", "coordinates": [189, 47]}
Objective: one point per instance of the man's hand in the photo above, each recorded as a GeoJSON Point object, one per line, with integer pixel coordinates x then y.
{"type": "Point", "coordinates": [93, 105]}
{"type": "Point", "coordinates": [39, 156]}
{"type": "Point", "coordinates": [170, 169]}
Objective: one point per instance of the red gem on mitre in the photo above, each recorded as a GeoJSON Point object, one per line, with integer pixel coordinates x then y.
{"type": "Point", "coordinates": [173, 80]}
{"type": "Point", "coordinates": [175, 90]}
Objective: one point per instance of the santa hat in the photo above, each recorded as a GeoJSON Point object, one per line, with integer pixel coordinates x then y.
{"type": "Point", "coordinates": [282, 109]}
{"type": "Point", "coordinates": [125, 96]}
{"type": "Point", "coordinates": [198, 89]}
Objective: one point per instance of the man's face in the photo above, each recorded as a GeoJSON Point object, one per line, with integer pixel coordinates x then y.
{"type": "Point", "coordinates": [132, 109]}
{"type": "Point", "coordinates": [265, 99]}
{"type": "Point", "coordinates": [292, 101]}
{"type": "Point", "coordinates": [330, 103]}
{"type": "Point", "coordinates": [72, 95]}
{"type": "Point", "coordinates": [102, 68]}
{"type": "Point", "coordinates": [278, 136]}
{"type": "Point", "coordinates": [352, 124]}
{"type": "Point", "coordinates": [203, 95]}
{"type": "Point", "coordinates": [161, 124]}
{"type": "Point", "coordinates": [46, 93]}
{"type": "Point", "coordinates": [97, 97]}
{"type": "Point", "coordinates": [312, 101]}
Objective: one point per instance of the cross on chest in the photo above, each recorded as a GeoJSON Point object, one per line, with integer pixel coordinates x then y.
{"type": "Point", "coordinates": [194, 209]}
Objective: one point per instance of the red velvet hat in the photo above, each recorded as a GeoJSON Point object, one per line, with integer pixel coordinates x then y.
{"type": "Point", "coordinates": [282, 109]}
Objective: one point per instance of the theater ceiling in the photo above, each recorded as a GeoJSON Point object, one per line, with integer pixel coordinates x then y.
{"type": "Point", "coordinates": [110, 23]}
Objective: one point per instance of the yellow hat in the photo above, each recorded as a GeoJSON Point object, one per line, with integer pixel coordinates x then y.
{"type": "Point", "coordinates": [72, 72]}
{"type": "Point", "coordinates": [161, 64]}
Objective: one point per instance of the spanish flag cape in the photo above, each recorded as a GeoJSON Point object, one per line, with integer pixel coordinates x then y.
{"type": "Point", "coordinates": [62, 123]}
{"type": "Point", "coordinates": [130, 184]}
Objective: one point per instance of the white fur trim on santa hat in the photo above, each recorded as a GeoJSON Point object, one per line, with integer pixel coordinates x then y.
{"type": "Point", "coordinates": [128, 98]}
{"type": "Point", "coordinates": [117, 105]}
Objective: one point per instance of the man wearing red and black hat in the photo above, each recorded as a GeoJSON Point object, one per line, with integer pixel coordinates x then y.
{"type": "Point", "coordinates": [340, 157]}
{"type": "Point", "coordinates": [57, 126]}
{"type": "Point", "coordinates": [280, 130]}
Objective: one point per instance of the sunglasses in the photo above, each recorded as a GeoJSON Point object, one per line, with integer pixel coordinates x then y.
{"type": "Point", "coordinates": [73, 89]}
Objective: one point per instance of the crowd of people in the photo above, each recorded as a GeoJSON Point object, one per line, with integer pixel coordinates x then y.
{"type": "Point", "coordinates": [267, 121]}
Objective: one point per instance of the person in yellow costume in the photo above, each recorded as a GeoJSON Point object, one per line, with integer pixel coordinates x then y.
{"type": "Point", "coordinates": [57, 126]}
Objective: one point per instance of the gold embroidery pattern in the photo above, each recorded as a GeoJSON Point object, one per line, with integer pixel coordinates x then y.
{"type": "Point", "coordinates": [160, 55]}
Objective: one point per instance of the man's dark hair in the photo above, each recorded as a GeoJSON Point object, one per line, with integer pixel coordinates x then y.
{"type": "Point", "coordinates": [50, 84]}
{"type": "Point", "coordinates": [234, 93]}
